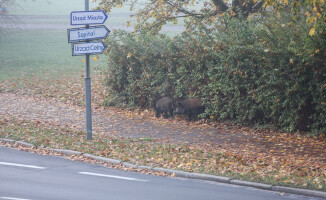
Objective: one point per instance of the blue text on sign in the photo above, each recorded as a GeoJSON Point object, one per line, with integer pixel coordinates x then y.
{"type": "Point", "coordinates": [84, 34]}
{"type": "Point", "coordinates": [87, 17]}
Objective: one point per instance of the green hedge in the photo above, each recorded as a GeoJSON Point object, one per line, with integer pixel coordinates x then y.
{"type": "Point", "coordinates": [262, 72]}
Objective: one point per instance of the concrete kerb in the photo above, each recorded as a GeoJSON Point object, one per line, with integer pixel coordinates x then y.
{"type": "Point", "coordinates": [129, 165]}
{"type": "Point", "coordinates": [145, 167]}
{"type": "Point", "coordinates": [182, 174]}
{"type": "Point", "coordinates": [172, 172]}
{"type": "Point", "coordinates": [299, 191]}
{"type": "Point", "coordinates": [67, 152]}
{"type": "Point", "coordinates": [102, 159]}
{"type": "Point", "coordinates": [25, 144]}
{"type": "Point", "coordinates": [219, 179]}
{"type": "Point", "coordinates": [251, 184]}
{"type": "Point", "coordinates": [7, 140]}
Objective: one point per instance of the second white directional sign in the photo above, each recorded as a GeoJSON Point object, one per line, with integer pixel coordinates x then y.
{"type": "Point", "coordinates": [91, 33]}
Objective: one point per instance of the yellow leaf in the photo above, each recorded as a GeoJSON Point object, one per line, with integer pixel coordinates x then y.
{"type": "Point", "coordinates": [265, 3]}
{"type": "Point", "coordinates": [202, 33]}
{"type": "Point", "coordinates": [119, 6]}
{"type": "Point", "coordinates": [95, 58]}
{"type": "Point", "coordinates": [129, 23]}
{"type": "Point", "coordinates": [324, 86]}
{"type": "Point", "coordinates": [129, 55]}
{"type": "Point", "coordinates": [211, 117]}
{"type": "Point", "coordinates": [213, 19]}
{"type": "Point", "coordinates": [317, 50]}
{"type": "Point", "coordinates": [286, 2]}
{"type": "Point", "coordinates": [312, 31]}
{"type": "Point", "coordinates": [83, 60]}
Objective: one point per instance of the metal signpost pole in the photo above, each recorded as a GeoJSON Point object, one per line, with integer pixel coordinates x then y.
{"type": "Point", "coordinates": [88, 91]}
{"type": "Point", "coordinates": [83, 43]}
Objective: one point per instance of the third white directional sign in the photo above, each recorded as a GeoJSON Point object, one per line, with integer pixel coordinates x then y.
{"type": "Point", "coordinates": [87, 17]}
{"type": "Point", "coordinates": [79, 49]}
{"type": "Point", "coordinates": [91, 33]}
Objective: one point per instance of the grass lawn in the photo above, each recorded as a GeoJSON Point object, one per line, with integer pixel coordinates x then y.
{"type": "Point", "coordinates": [41, 53]}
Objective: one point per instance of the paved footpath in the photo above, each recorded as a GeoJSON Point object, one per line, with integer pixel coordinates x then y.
{"type": "Point", "coordinates": [112, 123]}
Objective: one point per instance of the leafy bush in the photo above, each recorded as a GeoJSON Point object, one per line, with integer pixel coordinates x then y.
{"type": "Point", "coordinates": [270, 71]}
{"type": "Point", "coordinates": [264, 71]}
{"type": "Point", "coordinates": [140, 68]}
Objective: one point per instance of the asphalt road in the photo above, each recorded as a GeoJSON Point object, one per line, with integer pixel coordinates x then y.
{"type": "Point", "coordinates": [27, 176]}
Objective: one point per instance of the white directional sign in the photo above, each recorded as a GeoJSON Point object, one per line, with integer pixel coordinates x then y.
{"type": "Point", "coordinates": [91, 33]}
{"type": "Point", "coordinates": [79, 49]}
{"type": "Point", "coordinates": [87, 17]}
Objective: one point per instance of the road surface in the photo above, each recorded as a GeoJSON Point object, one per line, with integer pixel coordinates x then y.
{"type": "Point", "coordinates": [27, 176]}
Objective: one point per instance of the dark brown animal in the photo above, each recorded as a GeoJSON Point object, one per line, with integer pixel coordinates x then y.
{"type": "Point", "coordinates": [164, 106]}
{"type": "Point", "coordinates": [190, 107]}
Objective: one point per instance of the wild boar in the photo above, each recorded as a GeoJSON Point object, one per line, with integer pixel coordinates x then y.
{"type": "Point", "coordinates": [165, 106]}
{"type": "Point", "coordinates": [190, 107]}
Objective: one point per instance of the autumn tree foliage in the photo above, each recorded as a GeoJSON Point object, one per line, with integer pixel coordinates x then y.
{"type": "Point", "coordinates": [153, 14]}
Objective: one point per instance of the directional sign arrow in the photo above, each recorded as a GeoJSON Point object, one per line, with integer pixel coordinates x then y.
{"type": "Point", "coordinates": [79, 49]}
{"type": "Point", "coordinates": [91, 33]}
{"type": "Point", "coordinates": [87, 17]}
